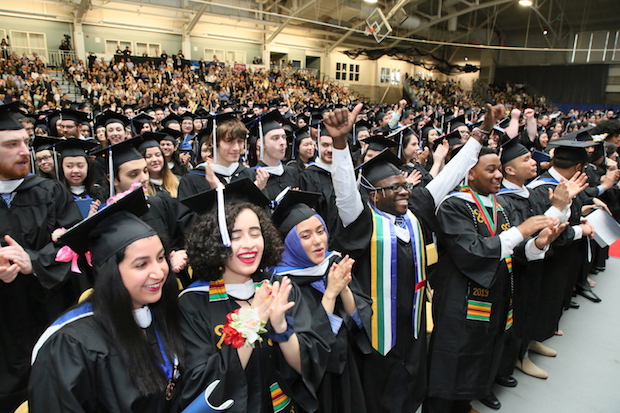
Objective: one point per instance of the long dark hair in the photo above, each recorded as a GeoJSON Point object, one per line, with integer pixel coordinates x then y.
{"type": "Point", "coordinates": [112, 308]}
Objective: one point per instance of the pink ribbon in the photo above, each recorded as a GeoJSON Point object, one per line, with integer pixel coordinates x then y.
{"type": "Point", "coordinates": [66, 254]}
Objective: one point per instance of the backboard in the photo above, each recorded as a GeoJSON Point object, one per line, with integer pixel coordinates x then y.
{"type": "Point", "coordinates": [377, 25]}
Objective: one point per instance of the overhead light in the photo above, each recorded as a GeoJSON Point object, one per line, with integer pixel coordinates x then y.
{"type": "Point", "coordinates": [466, 59]}
{"type": "Point", "coordinates": [545, 32]}
{"type": "Point", "coordinates": [371, 1]}
{"type": "Point", "coordinates": [525, 2]}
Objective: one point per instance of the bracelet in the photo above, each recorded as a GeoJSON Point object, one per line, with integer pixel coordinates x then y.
{"type": "Point", "coordinates": [282, 337]}
{"type": "Point", "coordinates": [484, 132]}
{"type": "Point", "coordinates": [243, 327]}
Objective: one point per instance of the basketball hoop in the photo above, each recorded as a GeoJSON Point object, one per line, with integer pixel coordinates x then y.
{"type": "Point", "coordinates": [369, 31]}
{"type": "Point", "coordinates": [377, 26]}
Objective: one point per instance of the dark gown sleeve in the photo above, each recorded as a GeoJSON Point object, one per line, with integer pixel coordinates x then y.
{"type": "Point", "coordinates": [49, 272]}
{"type": "Point", "coordinates": [475, 255]}
{"type": "Point", "coordinates": [62, 377]}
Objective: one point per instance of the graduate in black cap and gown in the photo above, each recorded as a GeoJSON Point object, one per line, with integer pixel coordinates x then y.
{"type": "Point", "coordinates": [45, 156]}
{"type": "Point", "coordinates": [386, 240]}
{"type": "Point", "coordinates": [120, 350]}
{"type": "Point", "coordinates": [272, 145]}
{"type": "Point", "coordinates": [273, 366]}
{"type": "Point", "coordinates": [32, 291]}
{"type": "Point", "coordinates": [562, 265]}
{"type": "Point", "coordinates": [474, 285]}
{"type": "Point", "coordinates": [302, 153]}
{"type": "Point", "coordinates": [228, 136]}
{"type": "Point", "coordinates": [76, 173]}
{"type": "Point", "coordinates": [128, 171]}
{"type": "Point", "coordinates": [341, 311]}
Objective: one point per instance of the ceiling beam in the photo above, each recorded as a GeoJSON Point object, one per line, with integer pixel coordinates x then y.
{"type": "Point", "coordinates": [285, 23]}
{"type": "Point", "coordinates": [196, 18]}
{"type": "Point", "coordinates": [452, 15]}
{"type": "Point", "coordinates": [81, 10]}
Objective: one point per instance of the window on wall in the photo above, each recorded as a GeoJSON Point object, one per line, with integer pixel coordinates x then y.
{"type": "Point", "coordinates": [390, 76]}
{"type": "Point", "coordinates": [235, 56]}
{"type": "Point", "coordinates": [385, 75]}
{"type": "Point", "coordinates": [350, 72]}
{"type": "Point", "coordinates": [112, 45]}
{"type": "Point", "coordinates": [28, 42]}
{"type": "Point", "coordinates": [219, 53]}
{"type": "Point", "coordinates": [152, 49]}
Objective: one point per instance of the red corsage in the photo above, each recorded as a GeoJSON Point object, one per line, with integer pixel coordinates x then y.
{"type": "Point", "coordinates": [243, 326]}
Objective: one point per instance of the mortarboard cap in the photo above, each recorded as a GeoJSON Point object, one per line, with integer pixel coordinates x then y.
{"type": "Point", "coordinates": [171, 135]}
{"type": "Point", "coordinates": [119, 154]}
{"type": "Point", "coordinates": [111, 229]}
{"type": "Point", "coordinates": [511, 149]}
{"type": "Point", "coordinates": [74, 115]}
{"type": "Point", "coordinates": [453, 138]}
{"type": "Point", "coordinates": [150, 140]}
{"type": "Point", "coordinates": [171, 118]}
{"type": "Point", "coordinates": [75, 147]}
{"type": "Point", "coordinates": [293, 208]}
{"type": "Point", "coordinates": [242, 190]}
{"type": "Point", "coordinates": [570, 150]}
{"type": "Point", "coordinates": [41, 143]}
{"type": "Point", "coordinates": [379, 143]}
{"type": "Point", "coordinates": [380, 167]}
{"type": "Point", "coordinates": [109, 117]}
{"type": "Point", "coordinates": [10, 116]}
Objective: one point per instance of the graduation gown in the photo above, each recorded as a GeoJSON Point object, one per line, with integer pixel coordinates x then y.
{"type": "Point", "coordinates": [31, 302]}
{"type": "Point", "coordinates": [79, 370]}
{"type": "Point", "coordinates": [426, 176]}
{"type": "Point", "coordinates": [396, 382]}
{"type": "Point", "coordinates": [562, 263]}
{"type": "Point", "coordinates": [277, 183]}
{"type": "Point", "coordinates": [465, 350]}
{"type": "Point", "coordinates": [340, 389]}
{"type": "Point", "coordinates": [267, 373]}
{"type": "Point", "coordinates": [316, 179]}
{"type": "Point", "coordinates": [194, 182]}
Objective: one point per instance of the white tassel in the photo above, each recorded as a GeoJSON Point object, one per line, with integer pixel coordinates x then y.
{"type": "Point", "coordinates": [221, 215]}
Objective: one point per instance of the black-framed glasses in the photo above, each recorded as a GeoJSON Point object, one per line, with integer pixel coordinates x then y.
{"type": "Point", "coordinates": [408, 186]}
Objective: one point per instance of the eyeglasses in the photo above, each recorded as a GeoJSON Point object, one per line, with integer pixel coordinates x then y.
{"type": "Point", "coordinates": [44, 159]}
{"type": "Point", "coordinates": [407, 186]}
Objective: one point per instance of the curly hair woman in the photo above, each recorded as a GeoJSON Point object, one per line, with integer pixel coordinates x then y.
{"type": "Point", "coordinates": [270, 366]}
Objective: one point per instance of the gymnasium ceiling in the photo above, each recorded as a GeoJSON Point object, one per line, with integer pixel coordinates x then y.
{"type": "Point", "coordinates": [340, 23]}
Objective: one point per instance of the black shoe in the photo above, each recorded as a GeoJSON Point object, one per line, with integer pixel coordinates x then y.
{"type": "Point", "coordinates": [589, 294]}
{"type": "Point", "coordinates": [506, 381]}
{"type": "Point", "coordinates": [574, 305]}
{"type": "Point", "coordinates": [594, 271]}
{"type": "Point", "coordinates": [491, 402]}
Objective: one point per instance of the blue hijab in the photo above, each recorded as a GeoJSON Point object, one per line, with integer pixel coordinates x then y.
{"type": "Point", "coordinates": [294, 257]}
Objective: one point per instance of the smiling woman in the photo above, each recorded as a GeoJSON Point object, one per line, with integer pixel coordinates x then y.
{"type": "Point", "coordinates": [122, 343]}
{"type": "Point", "coordinates": [277, 374]}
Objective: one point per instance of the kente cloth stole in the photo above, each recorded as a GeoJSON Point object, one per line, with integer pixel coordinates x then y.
{"type": "Point", "coordinates": [383, 278]}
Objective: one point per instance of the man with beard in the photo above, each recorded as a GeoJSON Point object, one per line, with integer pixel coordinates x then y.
{"type": "Point", "coordinates": [32, 292]}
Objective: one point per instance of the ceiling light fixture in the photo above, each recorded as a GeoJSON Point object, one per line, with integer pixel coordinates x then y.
{"type": "Point", "coordinates": [545, 32]}
{"type": "Point", "coordinates": [525, 2]}
{"type": "Point", "coordinates": [371, 1]}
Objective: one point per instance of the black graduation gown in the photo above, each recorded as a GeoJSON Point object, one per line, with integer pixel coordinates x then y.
{"type": "Point", "coordinates": [426, 176]}
{"type": "Point", "coordinates": [194, 182]}
{"type": "Point", "coordinates": [30, 303]}
{"type": "Point", "coordinates": [528, 276]}
{"type": "Point", "coordinates": [79, 370]}
{"type": "Point", "coordinates": [276, 184]}
{"type": "Point", "coordinates": [395, 382]}
{"type": "Point", "coordinates": [340, 389]}
{"type": "Point", "coordinates": [465, 353]}
{"type": "Point", "coordinates": [315, 179]}
{"type": "Point", "coordinates": [208, 358]}
{"type": "Point", "coordinates": [562, 263]}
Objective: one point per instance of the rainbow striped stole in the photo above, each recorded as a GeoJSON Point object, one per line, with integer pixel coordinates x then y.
{"type": "Point", "coordinates": [279, 400]}
{"type": "Point", "coordinates": [479, 310]}
{"type": "Point", "coordinates": [383, 278]}
{"type": "Point", "coordinates": [217, 290]}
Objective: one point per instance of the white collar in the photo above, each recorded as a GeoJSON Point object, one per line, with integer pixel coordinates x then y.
{"type": "Point", "coordinates": [521, 191]}
{"type": "Point", "coordinates": [316, 270]}
{"type": "Point", "coordinates": [77, 190]}
{"type": "Point", "coordinates": [556, 175]}
{"type": "Point", "coordinates": [325, 166]}
{"type": "Point", "coordinates": [243, 291]}
{"type": "Point", "coordinates": [158, 182]}
{"type": "Point", "coordinates": [401, 233]}
{"type": "Point", "coordinates": [143, 316]}
{"type": "Point", "coordinates": [274, 170]}
{"type": "Point", "coordinates": [225, 171]}
{"type": "Point", "coordinates": [6, 187]}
